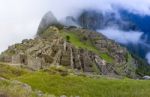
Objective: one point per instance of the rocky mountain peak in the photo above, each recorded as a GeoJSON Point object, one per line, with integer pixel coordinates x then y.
{"type": "Point", "coordinates": [48, 20]}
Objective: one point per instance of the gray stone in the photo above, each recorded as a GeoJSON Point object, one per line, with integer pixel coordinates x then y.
{"type": "Point", "coordinates": [40, 53]}
{"type": "Point", "coordinates": [48, 20]}
{"type": "Point", "coordinates": [146, 77]}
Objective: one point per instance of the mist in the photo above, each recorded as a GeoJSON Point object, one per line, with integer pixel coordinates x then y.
{"type": "Point", "coordinates": [20, 18]}
{"type": "Point", "coordinates": [148, 57]}
{"type": "Point", "coordinates": [122, 36]}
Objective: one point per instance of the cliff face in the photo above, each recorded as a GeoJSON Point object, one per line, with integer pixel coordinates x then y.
{"type": "Point", "coordinates": [92, 19]}
{"type": "Point", "coordinates": [75, 48]}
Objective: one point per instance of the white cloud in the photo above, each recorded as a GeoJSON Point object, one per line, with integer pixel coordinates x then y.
{"type": "Point", "coordinates": [19, 19]}
{"type": "Point", "coordinates": [136, 6]}
{"type": "Point", "coordinates": [148, 57]}
{"type": "Point", "coordinates": [121, 36]}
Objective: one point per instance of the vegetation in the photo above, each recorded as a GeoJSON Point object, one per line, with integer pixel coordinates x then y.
{"type": "Point", "coordinates": [9, 72]}
{"type": "Point", "coordinates": [85, 44]}
{"type": "Point", "coordinates": [143, 66]}
{"type": "Point", "coordinates": [13, 89]}
{"type": "Point", "coordinates": [74, 39]}
{"type": "Point", "coordinates": [60, 81]}
{"type": "Point", "coordinates": [86, 87]}
{"type": "Point", "coordinates": [106, 57]}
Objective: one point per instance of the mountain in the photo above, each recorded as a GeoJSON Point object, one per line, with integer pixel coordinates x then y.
{"type": "Point", "coordinates": [125, 22]}
{"type": "Point", "coordinates": [46, 21]}
{"type": "Point", "coordinates": [70, 61]}
{"type": "Point", "coordinates": [120, 20]}
{"type": "Point", "coordinates": [94, 20]}
{"type": "Point", "coordinates": [80, 49]}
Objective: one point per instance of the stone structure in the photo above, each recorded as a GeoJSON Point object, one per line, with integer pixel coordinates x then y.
{"type": "Point", "coordinates": [52, 48]}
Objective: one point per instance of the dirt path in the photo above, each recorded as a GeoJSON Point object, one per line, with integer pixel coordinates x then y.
{"type": "Point", "coordinates": [11, 64]}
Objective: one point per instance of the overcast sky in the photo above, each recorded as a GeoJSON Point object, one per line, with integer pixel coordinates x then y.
{"type": "Point", "coordinates": [19, 19]}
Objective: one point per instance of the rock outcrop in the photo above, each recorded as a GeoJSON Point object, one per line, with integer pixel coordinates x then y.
{"type": "Point", "coordinates": [92, 19]}
{"type": "Point", "coordinates": [48, 20]}
{"type": "Point", "coordinates": [75, 48]}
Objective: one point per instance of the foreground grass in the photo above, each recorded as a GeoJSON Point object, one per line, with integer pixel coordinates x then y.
{"type": "Point", "coordinates": [60, 82]}
{"type": "Point", "coordinates": [9, 72]}
{"type": "Point", "coordinates": [86, 87]}
{"type": "Point", "coordinates": [15, 89]}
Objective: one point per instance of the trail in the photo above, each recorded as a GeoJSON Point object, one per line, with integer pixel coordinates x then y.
{"type": "Point", "coordinates": [10, 64]}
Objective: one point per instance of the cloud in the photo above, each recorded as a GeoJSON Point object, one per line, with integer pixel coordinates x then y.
{"type": "Point", "coordinates": [71, 6]}
{"type": "Point", "coordinates": [122, 36]}
{"type": "Point", "coordinates": [20, 18]}
{"type": "Point", "coordinates": [135, 6]}
{"type": "Point", "coordinates": [148, 57]}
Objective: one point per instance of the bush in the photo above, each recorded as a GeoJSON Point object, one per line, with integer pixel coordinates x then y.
{"type": "Point", "coordinates": [68, 38]}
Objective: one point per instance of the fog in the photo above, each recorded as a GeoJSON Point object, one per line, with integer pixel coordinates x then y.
{"type": "Point", "coordinates": [148, 57]}
{"type": "Point", "coordinates": [19, 19]}
{"type": "Point", "coordinates": [121, 36]}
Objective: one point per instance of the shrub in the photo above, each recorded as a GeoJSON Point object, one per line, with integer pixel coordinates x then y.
{"type": "Point", "coordinates": [68, 38]}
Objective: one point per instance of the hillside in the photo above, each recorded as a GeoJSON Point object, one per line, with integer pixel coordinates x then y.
{"type": "Point", "coordinates": [75, 48]}
{"type": "Point", "coordinates": [70, 61]}
{"type": "Point", "coordinates": [61, 82]}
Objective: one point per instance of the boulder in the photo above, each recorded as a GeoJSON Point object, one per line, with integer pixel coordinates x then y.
{"type": "Point", "coordinates": [146, 77]}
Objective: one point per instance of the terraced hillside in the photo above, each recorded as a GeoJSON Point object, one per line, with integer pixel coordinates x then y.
{"type": "Point", "coordinates": [75, 48]}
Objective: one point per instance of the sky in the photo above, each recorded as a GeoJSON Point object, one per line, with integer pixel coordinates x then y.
{"type": "Point", "coordinates": [19, 19]}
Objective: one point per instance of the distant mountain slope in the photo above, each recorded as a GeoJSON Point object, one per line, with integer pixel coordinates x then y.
{"type": "Point", "coordinates": [123, 21]}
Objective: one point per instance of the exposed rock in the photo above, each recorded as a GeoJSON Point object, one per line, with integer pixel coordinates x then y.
{"type": "Point", "coordinates": [92, 19]}
{"type": "Point", "coordinates": [48, 20]}
{"type": "Point", "coordinates": [146, 77]}
{"type": "Point", "coordinates": [98, 55]}
{"type": "Point", "coordinates": [70, 21]}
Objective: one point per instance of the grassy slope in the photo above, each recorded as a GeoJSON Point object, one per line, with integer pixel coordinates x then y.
{"type": "Point", "coordinates": [75, 40]}
{"type": "Point", "coordinates": [9, 72]}
{"type": "Point", "coordinates": [12, 89]}
{"type": "Point", "coordinates": [53, 83]}
{"type": "Point", "coordinates": [87, 87]}
{"type": "Point", "coordinates": [9, 88]}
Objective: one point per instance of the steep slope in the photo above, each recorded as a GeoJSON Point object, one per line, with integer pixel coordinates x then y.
{"type": "Point", "coordinates": [92, 19]}
{"type": "Point", "coordinates": [122, 20]}
{"type": "Point", "coordinates": [75, 48]}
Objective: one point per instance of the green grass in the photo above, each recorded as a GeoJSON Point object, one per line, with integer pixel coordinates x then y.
{"type": "Point", "coordinates": [75, 40]}
{"type": "Point", "coordinates": [106, 57]}
{"type": "Point", "coordinates": [14, 89]}
{"type": "Point", "coordinates": [59, 81]}
{"type": "Point", "coordinates": [87, 87]}
{"type": "Point", "coordinates": [9, 72]}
